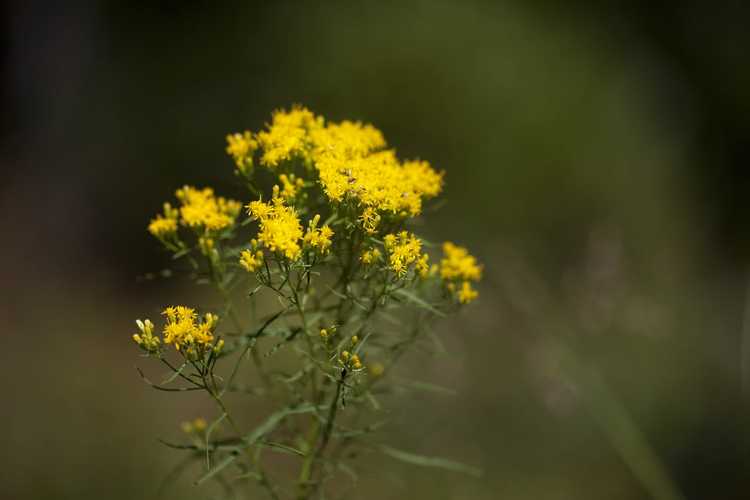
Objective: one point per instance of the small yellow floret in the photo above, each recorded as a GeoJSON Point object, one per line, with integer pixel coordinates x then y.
{"type": "Point", "coordinates": [291, 186]}
{"type": "Point", "coordinates": [241, 147]}
{"type": "Point", "coordinates": [250, 260]}
{"type": "Point", "coordinates": [318, 239]}
{"type": "Point", "coordinates": [370, 256]}
{"type": "Point", "coordinates": [466, 294]}
{"type": "Point", "coordinates": [164, 226]}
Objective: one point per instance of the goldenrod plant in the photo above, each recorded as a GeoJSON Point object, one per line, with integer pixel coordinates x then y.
{"type": "Point", "coordinates": [353, 289]}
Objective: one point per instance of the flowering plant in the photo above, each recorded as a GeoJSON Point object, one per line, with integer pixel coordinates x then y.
{"type": "Point", "coordinates": [354, 287]}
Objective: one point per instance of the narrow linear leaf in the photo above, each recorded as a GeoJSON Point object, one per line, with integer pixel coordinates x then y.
{"type": "Point", "coordinates": [418, 301]}
{"type": "Point", "coordinates": [424, 461]}
{"type": "Point", "coordinates": [273, 420]}
{"type": "Point", "coordinates": [219, 467]}
{"type": "Point", "coordinates": [282, 448]}
{"type": "Point", "coordinates": [174, 375]}
{"type": "Point", "coordinates": [427, 386]}
{"type": "Point", "coordinates": [209, 431]}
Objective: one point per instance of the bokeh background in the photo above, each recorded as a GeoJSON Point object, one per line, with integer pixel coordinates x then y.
{"type": "Point", "coordinates": [595, 156]}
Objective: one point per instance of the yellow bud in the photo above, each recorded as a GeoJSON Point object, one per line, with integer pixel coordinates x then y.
{"type": "Point", "coordinates": [219, 346]}
{"type": "Point", "coordinates": [199, 424]}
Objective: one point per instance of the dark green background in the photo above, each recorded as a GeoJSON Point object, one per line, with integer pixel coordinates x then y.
{"type": "Point", "coordinates": [595, 156]}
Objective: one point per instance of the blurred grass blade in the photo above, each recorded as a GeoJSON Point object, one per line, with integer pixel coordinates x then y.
{"type": "Point", "coordinates": [436, 462]}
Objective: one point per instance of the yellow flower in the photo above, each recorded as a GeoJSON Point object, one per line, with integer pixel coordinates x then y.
{"type": "Point", "coordinates": [241, 147]}
{"type": "Point", "coordinates": [318, 239]}
{"type": "Point", "coordinates": [186, 331]}
{"type": "Point", "coordinates": [206, 245]}
{"type": "Point", "coordinates": [403, 250]}
{"type": "Point", "coordinates": [458, 264]}
{"type": "Point", "coordinates": [422, 266]}
{"type": "Point", "coordinates": [287, 136]}
{"type": "Point", "coordinates": [369, 220]}
{"type": "Point", "coordinates": [197, 425]}
{"type": "Point", "coordinates": [466, 294]}
{"type": "Point", "coordinates": [352, 161]}
{"type": "Point", "coordinates": [355, 362]}
{"type": "Point", "coordinates": [164, 226]}
{"type": "Point", "coordinates": [370, 256]}
{"type": "Point", "coordinates": [291, 186]}
{"type": "Point", "coordinates": [202, 210]}
{"type": "Point", "coordinates": [250, 260]}
{"type": "Point", "coordinates": [280, 229]}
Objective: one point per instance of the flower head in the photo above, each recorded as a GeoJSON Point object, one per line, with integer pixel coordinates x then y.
{"type": "Point", "coordinates": [318, 239]}
{"type": "Point", "coordinates": [403, 250]}
{"type": "Point", "coordinates": [457, 266]}
{"type": "Point", "coordinates": [241, 147]}
{"type": "Point", "coordinates": [201, 209]}
{"type": "Point", "coordinates": [287, 136]}
{"type": "Point", "coordinates": [164, 226]}
{"type": "Point", "coordinates": [280, 228]}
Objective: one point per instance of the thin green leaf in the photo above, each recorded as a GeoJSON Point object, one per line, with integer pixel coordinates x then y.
{"type": "Point", "coordinates": [174, 375]}
{"type": "Point", "coordinates": [282, 447]}
{"type": "Point", "coordinates": [219, 467]}
{"type": "Point", "coordinates": [426, 386]}
{"type": "Point", "coordinates": [273, 420]}
{"type": "Point", "coordinates": [209, 430]}
{"type": "Point", "coordinates": [418, 301]}
{"type": "Point", "coordinates": [424, 461]}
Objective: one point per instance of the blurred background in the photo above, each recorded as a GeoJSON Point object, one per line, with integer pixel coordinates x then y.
{"type": "Point", "coordinates": [595, 156]}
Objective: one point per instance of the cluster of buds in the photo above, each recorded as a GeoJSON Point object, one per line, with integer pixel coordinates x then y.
{"type": "Point", "coordinates": [146, 339]}
{"type": "Point", "coordinates": [195, 427]}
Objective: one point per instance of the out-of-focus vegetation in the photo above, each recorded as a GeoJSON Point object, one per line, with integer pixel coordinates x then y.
{"type": "Point", "coordinates": [595, 160]}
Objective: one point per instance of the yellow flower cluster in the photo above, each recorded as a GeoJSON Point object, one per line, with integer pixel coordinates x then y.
{"type": "Point", "coordinates": [186, 331]}
{"type": "Point", "coordinates": [288, 136]}
{"type": "Point", "coordinates": [318, 239]}
{"type": "Point", "coordinates": [290, 186]}
{"type": "Point", "coordinates": [164, 226]}
{"type": "Point", "coordinates": [251, 259]}
{"type": "Point", "coordinates": [370, 256]}
{"type": "Point", "coordinates": [458, 265]}
{"type": "Point", "coordinates": [403, 250]}
{"type": "Point", "coordinates": [146, 338]}
{"type": "Point", "coordinates": [202, 209]}
{"type": "Point", "coordinates": [350, 360]}
{"type": "Point", "coordinates": [195, 427]}
{"type": "Point", "coordinates": [241, 147]}
{"type": "Point", "coordinates": [351, 161]}
{"type": "Point", "coordinates": [280, 228]}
